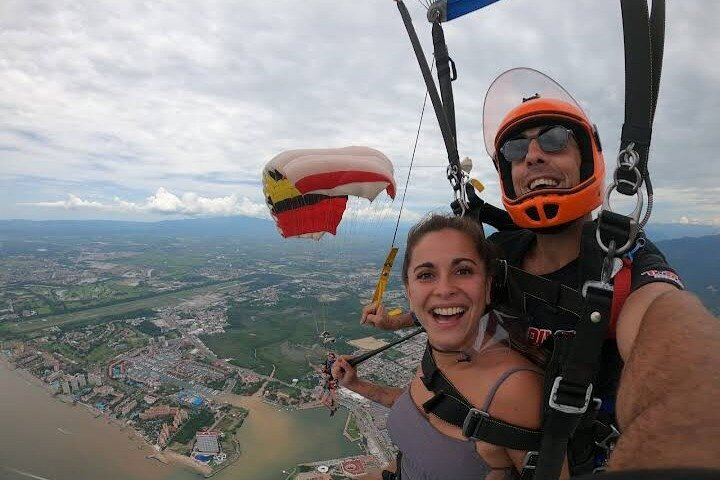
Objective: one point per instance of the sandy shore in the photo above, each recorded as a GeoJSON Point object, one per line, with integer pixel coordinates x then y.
{"type": "Point", "coordinates": [185, 461]}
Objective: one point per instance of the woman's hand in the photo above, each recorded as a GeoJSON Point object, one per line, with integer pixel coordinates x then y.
{"type": "Point", "coordinates": [344, 373]}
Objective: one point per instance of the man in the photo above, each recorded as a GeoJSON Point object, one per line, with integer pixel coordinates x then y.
{"type": "Point", "coordinates": [551, 168]}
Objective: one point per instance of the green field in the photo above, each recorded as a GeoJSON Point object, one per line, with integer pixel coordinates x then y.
{"type": "Point", "coordinates": [97, 314]}
{"type": "Point", "coordinates": [286, 335]}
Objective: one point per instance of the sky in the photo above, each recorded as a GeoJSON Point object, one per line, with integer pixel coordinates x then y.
{"type": "Point", "coordinates": [149, 110]}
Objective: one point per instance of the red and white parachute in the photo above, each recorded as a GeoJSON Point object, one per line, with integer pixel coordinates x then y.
{"type": "Point", "coordinates": [307, 190]}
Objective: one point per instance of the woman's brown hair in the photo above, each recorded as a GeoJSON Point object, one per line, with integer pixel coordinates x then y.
{"type": "Point", "coordinates": [434, 223]}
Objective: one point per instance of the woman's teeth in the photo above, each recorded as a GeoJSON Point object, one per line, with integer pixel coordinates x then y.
{"type": "Point", "coordinates": [446, 313]}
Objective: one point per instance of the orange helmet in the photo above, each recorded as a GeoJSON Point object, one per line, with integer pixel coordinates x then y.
{"type": "Point", "coordinates": [548, 104]}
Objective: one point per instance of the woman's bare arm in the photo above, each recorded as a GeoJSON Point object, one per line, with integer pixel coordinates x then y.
{"type": "Point", "coordinates": [347, 376]}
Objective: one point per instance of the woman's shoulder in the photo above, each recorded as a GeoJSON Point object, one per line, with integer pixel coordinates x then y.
{"type": "Point", "coordinates": [512, 388]}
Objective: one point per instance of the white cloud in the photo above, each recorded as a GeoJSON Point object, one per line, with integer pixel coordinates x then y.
{"type": "Point", "coordinates": [197, 97]}
{"type": "Point", "coordinates": [167, 203]}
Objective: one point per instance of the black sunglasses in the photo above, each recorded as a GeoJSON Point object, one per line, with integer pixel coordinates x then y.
{"type": "Point", "coordinates": [551, 139]}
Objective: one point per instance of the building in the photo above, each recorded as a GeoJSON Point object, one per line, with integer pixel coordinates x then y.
{"type": "Point", "coordinates": [207, 442]}
{"type": "Point", "coordinates": [165, 433]}
{"type": "Point", "coordinates": [95, 378]}
{"type": "Point", "coordinates": [128, 407]}
{"type": "Point", "coordinates": [117, 369]}
{"type": "Point", "coordinates": [74, 384]}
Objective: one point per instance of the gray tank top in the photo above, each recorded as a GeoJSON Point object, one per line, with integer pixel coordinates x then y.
{"type": "Point", "coordinates": [428, 454]}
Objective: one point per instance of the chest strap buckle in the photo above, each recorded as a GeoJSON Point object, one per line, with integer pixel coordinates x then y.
{"type": "Point", "coordinates": [569, 398]}
{"type": "Point", "coordinates": [474, 422]}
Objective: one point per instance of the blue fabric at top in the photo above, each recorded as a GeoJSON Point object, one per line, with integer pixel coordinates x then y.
{"type": "Point", "coordinates": [458, 8]}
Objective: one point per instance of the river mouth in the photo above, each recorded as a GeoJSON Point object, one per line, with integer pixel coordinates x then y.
{"type": "Point", "coordinates": [273, 441]}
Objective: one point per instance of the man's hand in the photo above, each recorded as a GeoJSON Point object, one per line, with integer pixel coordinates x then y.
{"type": "Point", "coordinates": [375, 315]}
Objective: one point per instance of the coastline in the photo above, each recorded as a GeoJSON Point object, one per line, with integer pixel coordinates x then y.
{"type": "Point", "coordinates": [174, 457]}
{"type": "Point", "coordinates": [164, 457]}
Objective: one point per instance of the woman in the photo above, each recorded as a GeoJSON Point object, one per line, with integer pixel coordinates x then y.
{"type": "Point", "coordinates": [448, 287]}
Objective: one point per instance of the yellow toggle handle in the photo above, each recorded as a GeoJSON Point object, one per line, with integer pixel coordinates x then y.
{"type": "Point", "coordinates": [477, 184]}
{"type": "Point", "coordinates": [384, 275]}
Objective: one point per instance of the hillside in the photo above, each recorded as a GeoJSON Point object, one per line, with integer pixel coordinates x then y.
{"type": "Point", "coordinates": [697, 260]}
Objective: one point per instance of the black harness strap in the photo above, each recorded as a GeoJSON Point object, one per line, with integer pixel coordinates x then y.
{"type": "Point", "coordinates": [569, 394]}
{"type": "Point", "coordinates": [518, 284]}
{"type": "Point", "coordinates": [446, 74]}
{"type": "Point", "coordinates": [575, 363]}
{"type": "Point", "coordinates": [483, 212]}
{"type": "Point", "coordinates": [451, 406]}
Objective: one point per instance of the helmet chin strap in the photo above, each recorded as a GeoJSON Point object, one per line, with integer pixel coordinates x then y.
{"type": "Point", "coordinates": [560, 228]}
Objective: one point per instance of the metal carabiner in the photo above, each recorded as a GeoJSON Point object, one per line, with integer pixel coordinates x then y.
{"type": "Point", "coordinates": [634, 223]}
{"type": "Point", "coordinates": [456, 177]}
{"type": "Point", "coordinates": [628, 157]}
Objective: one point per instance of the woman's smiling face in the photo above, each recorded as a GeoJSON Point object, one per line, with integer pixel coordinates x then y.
{"type": "Point", "coordinates": [448, 288]}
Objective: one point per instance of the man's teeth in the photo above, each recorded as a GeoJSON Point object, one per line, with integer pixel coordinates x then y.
{"type": "Point", "coordinates": [545, 182]}
{"type": "Point", "coordinates": [448, 311]}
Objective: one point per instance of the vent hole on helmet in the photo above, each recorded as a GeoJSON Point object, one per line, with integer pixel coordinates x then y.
{"type": "Point", "coordinates": [551, 209]}
{"type": "Point", "coordinates": [532, 213]}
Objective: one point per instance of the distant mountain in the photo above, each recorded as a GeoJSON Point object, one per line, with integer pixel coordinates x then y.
{"type": "Point", "coordinates": [362, 232]}
{"type": "Point", "coordinates": [217, 226]}
{"type": "Point", "coordinates": [667, 231]}
{"type": "Point", "coordinates": [697, 260]}
{"type": "Point", "coordinates": [240, 225]}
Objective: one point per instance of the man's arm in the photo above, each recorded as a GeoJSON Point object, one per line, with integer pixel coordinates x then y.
{"type": "Point", "coordinates": [668, 398]}
{"type": "Point", "coordinates": [633, 312]}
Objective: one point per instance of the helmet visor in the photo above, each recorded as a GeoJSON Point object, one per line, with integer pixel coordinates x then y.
{"type": "Point", "coordinates": [511, 89]}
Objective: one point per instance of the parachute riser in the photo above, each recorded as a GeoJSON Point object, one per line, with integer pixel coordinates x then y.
{"type": "Point", "coordinates": [644, 44]}
{"type": "Point", "coordinates": [447, 128]}
{"type": "Point", "coordinates": [616, 234]}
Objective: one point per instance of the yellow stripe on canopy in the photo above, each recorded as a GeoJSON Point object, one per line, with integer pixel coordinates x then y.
{"type": "Point", "coordinates": [279, 190]}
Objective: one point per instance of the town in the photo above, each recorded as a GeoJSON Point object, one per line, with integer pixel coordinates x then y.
{"type": "Point", "coordinates": [161, 364]}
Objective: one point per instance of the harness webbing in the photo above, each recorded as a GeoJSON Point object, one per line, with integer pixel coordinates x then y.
{"type": "Point", "coordinates": [572, 371]}
{"type": "Point", "coordinates": [451, 406]}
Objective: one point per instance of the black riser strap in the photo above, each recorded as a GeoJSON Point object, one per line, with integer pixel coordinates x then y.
{"type": "Point", "coordinates": [442, 61]}
{"type": "Point", "coordinates": [450, 146]}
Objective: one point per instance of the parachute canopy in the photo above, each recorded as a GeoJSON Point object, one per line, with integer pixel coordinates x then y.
{"type": "Point", "coordinates": [445, 10]}
{"type": "Point", "coordinates": [306, 190]}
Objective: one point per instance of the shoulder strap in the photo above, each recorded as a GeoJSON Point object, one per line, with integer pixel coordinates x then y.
{"type": "Point", "coordinates": [514, 244]}
{"type": "Point", "coordinates": [501, 380]}
{"type": "Point", "coordinates": [451, 406]}
{"type": "Point", "coordinates": [621, 290]}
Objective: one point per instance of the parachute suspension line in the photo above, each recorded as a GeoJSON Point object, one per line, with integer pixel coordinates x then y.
{"type": "Point", "coordinates": [390, 259]}
{"type": "Point", "coordinates": [412, 160]}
